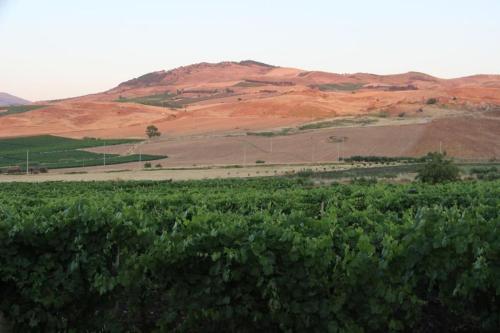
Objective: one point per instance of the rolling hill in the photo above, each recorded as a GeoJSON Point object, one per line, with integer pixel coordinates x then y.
{"type": "Point", "coordinates": [234, 98]}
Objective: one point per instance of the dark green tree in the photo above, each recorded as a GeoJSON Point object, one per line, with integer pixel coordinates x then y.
{"type": "Point", "coordinates": [438, 169]}
{"type": "Point", "coordinates": [152, 131]}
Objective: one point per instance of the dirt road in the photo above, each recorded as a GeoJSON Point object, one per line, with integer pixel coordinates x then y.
{"type": "Point", "coordinates": [117, 174]}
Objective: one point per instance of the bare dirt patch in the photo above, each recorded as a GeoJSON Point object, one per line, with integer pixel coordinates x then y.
{"type": "Point", "coordinates": [453, 135]}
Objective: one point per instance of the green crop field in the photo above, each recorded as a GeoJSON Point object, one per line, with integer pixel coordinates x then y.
{"type": "Point", "coordinates": [172, 101]}
{"type": "Point", "coordinates": [20, 109]}
{"type": "Point", "coordinates": [258, 255]}
{"type": "Point", "coordinates": [346, 86]}
{"type": "Point", "coordinates": [57, 152]}
{"type": "Point", "coordinates": [339, 123]}
{"type": "Point", "coordinates": [164, 100]}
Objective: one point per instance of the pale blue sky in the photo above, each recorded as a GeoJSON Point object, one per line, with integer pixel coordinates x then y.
{"type": "Point", "coordinates": [61, 48]}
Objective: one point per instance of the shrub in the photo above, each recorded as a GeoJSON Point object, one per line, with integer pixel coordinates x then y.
{"type": "Point", "coordinates": [383, 159]}
{"type": "Point", "coordinates": [431, 101]}
{"type": "Point", "coordinates": [490, 173]}
{"type": "Point", "coordinates": [147, 165]}
{"type": "Point", "coordinates": [152, 131]}
{"type": "Point", "coordinates": [477, 171]}
{"type": "Point", "coordinates": [305, 173]}
{"type": "Point", "coordinates": [438, 169]}
{"type": "Point", "coordinates": [260, 162]}
{"type": "Point", "coordinates": [364, 181]}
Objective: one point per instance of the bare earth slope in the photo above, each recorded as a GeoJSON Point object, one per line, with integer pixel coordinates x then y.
{"type": "Point", "coordinates": [238, 97]}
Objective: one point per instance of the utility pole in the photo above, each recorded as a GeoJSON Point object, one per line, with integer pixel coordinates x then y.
{"type": "Point", "coordinates": [140, 155]}
{"type": "Point", "coordinates": [338, 151]}
{"type": "Point", "coordinates": [312, 150]}
{"type": "Point", "coordinates": [104, 153]}
{"type": "Point", "coordinates": [271, 144]}
{"type": "Point", "coordinates": [245, 155]}
{"type": "Point", "coordinates": [440, 147]}
{"type": "Point", "coordinates": [27, 162]}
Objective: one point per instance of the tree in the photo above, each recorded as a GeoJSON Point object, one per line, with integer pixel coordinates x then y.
{"type": "Point", "coordinates": [438, 169]}
{"type": "Point", "coordinates": [152, 131]}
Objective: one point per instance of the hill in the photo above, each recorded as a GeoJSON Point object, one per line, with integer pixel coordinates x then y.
{"type": "Point", "coordinates": [235, 98]}
{"type": "Point", "coordinates": [8, 100]}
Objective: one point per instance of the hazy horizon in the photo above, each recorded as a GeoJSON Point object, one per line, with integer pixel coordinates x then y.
{"type": "Point", "coordinates": [57, 49]}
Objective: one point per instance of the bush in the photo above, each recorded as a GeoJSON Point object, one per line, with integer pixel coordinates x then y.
{"type": "Point", "coordinates": [147, 165]}
{"type": "Point", "coordinates": [152, 131]}
{"type": "Point", "coordinates": [490, 173]}
{"type": "Point", "coordinates": [158, 165]}
{"type": "Point", "coordinates": [305, 173]}
{"type": "Point", "coordinates": [364, 180]}
{"type": "Point", "coordinates": [478, 171]}
{"type": "Point", "coordinates": [384, 159]}
{"type": "Point", "coordinates": [431, 101]}
{"type": "Point", "coordinates": [260, 162]}
{"type": "Point", "coordinates": [438, 169]}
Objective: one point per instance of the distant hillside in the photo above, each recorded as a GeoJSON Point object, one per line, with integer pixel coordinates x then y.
{"type": "Point", "coordinates": [7, 100]}
{"type": "Point", "coordinates": [240, 97]}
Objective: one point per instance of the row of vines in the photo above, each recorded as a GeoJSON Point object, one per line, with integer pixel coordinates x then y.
{"type": "Point", "coordinates": [250, 255]}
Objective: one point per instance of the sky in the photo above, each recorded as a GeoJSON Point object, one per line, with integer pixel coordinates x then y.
{"type": "Point", "coordinates": [58, 48]}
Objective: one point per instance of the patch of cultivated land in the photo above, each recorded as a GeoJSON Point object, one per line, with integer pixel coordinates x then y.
{"type": "Point", "coordinates": [199, 256]}
{"type": "Point", "coordinates": [470, 137]}
{"type": "Point", "coordinates": [54, 152]}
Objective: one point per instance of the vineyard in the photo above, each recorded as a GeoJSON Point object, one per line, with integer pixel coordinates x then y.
{"type": "Point", "coordinates": [55, 152]}
{"type": "Point", "coordinates": [267, 255]}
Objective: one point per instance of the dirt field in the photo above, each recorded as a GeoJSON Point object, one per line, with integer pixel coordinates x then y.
{"type": "Point", "coordinates": [465, 137]}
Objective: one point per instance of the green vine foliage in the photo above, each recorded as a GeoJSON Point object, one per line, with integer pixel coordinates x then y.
{"type": "Point", "coordinates": [272, 255]}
